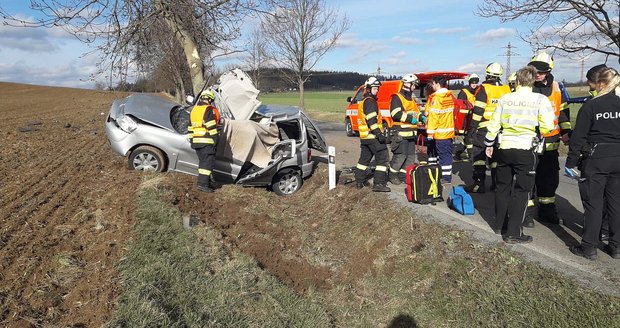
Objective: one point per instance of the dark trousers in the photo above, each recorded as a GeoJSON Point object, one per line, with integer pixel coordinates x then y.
{"type": "Point", "coordinates": [511, 200]}
{"type": "Point", "coordinates": [403, 155]}
{"type": "Point", "coordinates": [206, 161]}
{"type": "Point", "coordinates": [600, 193]}
{"type": "Point", "coordinates": [547, 176]}
{"type": "Point", "coordinates": [479, 158]}
{"type": "Point", "coordinates": [443, 150]}
{"type": "Point", "coordinates": [370, 148]}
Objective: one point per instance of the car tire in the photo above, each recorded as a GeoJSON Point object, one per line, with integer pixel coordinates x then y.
{"type": "Point", "coordinates": [146, 158]}
{"type": "Point", "coordinates": [349, 127]}
{"type": "Point", "coordinates": [287, 182]}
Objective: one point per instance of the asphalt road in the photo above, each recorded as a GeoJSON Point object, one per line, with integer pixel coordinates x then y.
{"type": "Point", "coordinates": [551, 242]}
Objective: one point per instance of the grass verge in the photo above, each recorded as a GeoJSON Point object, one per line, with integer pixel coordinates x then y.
{"type": "Point", "coordinates": [174, 277]}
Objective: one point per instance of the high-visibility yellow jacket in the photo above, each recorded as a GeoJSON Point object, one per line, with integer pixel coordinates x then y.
{"type": "Point", "coordinates": [519, 115]}
{"type": "Point", "coordinates": [402, 115]}
{"type": "Point", "coordinates": [485, 103]}
{"type": "Point", "coordinates": [203, 126]}
{"type": "Point", "coordinates": [440, 111]}
{"type": "Point", "coordinates": [369, 118]}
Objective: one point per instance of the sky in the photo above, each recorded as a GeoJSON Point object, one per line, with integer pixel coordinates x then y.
{"type": "Point", "coordinates": [397, 36]}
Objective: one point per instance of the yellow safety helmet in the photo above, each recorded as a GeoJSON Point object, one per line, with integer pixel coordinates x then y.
{"type": "Point", "coordinates": [207, 94]}
{"type": "Point", "coordinates": [512, 78]}
{"type": "Point", "coordinates": [372, 82]}
{"type": "Point", "coordinates": [494, 69]}
{"type": "Point", "coordinates": [411, 78]}
{"type": "Point", "coordinates": [543, 62]}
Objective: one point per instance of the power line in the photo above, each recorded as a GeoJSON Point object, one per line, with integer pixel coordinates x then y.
{"type": "Point", "coordinates": [509, 54]}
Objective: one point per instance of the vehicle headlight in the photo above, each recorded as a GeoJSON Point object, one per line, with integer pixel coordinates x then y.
{"type": "Point", "coordinates": [126, 123]}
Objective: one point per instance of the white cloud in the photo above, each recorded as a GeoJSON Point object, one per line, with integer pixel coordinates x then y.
{"type": "Point", "coordinates": [477, 68]}
{"type": "Point", "coordinates": [30, 39]}
{"type": "Point", "coordinates": [406, 40]}
{"type": "Point", "coordinates": [450, 30]}
{"type": "Point", "coordinates": [73, 74]}
{"type": "Point", "coordinates": [494, 35]}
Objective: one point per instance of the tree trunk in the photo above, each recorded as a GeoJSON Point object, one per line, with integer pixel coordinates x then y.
{"type": "Point", "coordinates": [300, 84]}
{"type": "Point", "coordinates": [190, 47]}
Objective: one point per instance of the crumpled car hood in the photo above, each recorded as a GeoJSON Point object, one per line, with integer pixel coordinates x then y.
{"type": "Point", "coordinates": [149, 108]}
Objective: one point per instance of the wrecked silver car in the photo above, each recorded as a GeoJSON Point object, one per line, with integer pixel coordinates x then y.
{"type": "Point", "coordinates": [260, 145]}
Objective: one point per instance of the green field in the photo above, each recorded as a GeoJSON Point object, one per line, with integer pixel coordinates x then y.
{"type": "Point", "coordinates": [326, 106]}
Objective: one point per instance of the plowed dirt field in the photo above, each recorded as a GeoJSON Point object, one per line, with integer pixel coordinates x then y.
{"type": "Point", "coordinates": [65, 207]}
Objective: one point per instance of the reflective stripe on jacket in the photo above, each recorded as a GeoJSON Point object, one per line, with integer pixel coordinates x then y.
{"type": "Point", "coordinates": [440, 111]}
{"type": "Point", "coordinates": [364, 130]}
{"type": "Point", "coordinates": [518, 115]}
{"type": "Point", "coordinates": [203, 125]}
{"type": "Point", "coordinates": [407, 130]}
{"type": "Point", "coordinates": [556, 100]}
{"type": "Point", "coordinates": [493, 93]}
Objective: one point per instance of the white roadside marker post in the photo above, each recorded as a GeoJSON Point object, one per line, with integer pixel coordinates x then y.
{"type": "Point", "coordinates": [331, 155]}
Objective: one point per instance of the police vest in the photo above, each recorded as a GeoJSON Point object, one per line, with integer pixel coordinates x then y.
{"type": "Point", "coordinates": [203, 133]}
{"type": "Point", "coordinates": [362, 125]}
{"type": "Point", "coordinates": [494, 92]}
{"type": "Point", "coordinates": [407, 130]}
{"type": "Point", "coordinates": [556, 100]}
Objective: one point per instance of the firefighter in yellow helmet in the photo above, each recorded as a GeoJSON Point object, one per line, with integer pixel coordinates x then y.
{"type": "Point", "coordinates": [484, 106]}
{"type": "Point", "coordinates": [548, 169]}
{"type": "Point", "coordinates": [203, 136]}
{"type": "Point", "coordinates": [372, 140]}
{"type": "Point", "coordinates": [405, 114]}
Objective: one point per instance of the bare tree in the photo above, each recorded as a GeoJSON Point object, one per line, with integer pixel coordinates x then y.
{"type": "Point", "coordinates": [256, 58]}
{"type": "Point", "coordinates": [299, 33]}
{"type": "Point", "coordinates": [118, 28]}
{"type": "Point", "coordinates": [577, 26]}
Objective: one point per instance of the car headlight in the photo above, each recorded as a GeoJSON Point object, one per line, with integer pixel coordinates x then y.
{"type": "Point", "coordinates": [126, 123]}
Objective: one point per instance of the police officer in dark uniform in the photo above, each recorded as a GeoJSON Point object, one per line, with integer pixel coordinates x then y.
{"type": "Point", "coordinates": [595, 150]}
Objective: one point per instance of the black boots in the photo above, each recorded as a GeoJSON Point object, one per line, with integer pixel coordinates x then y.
{"type": "Point", "coordinates": [523, 239]}
{"type": "Point", "coordinates": [205, 187]}
{"type": "Point", "coordinates": [476, 187]}
{"type": "Point", "coordinates": [547, 213]}
{"type": "Point", "coordinates": [362, 184]}
{"type": "Point", "coordinates": [528, 222]}
{"type": "Point", "coordinates": [589, 253]}
{"type": "Point", "coordinates": [379, 187]}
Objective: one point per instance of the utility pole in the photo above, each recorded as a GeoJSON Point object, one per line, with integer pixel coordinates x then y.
{"type": "Point", "coordinates": [582, 64]}
{"type": "Point", "coordinates": [378, 70]}
{"type": "Point", "coordinates": [509, 53]}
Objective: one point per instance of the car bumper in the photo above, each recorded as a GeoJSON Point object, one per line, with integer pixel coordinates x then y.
{"type": "Point", "coordinates": [118, 139]}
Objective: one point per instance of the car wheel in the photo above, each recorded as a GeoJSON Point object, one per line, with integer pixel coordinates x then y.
{"type": "Point", "coordinates": [146, 158]}
{"type": "Point", "coordinates": [287, 182]}
{"type": "Point", "coordinates": [349, 127]}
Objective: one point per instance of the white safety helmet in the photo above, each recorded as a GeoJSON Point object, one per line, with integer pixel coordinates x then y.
{"type": "Point", "coordinates": [411, 78]}
{"type": "Point", "coordinates": [494, 69]}
{"type": "Point", "coordinates": [543, 62]}
{"type": "Point", "coordinates": [473, 76]}
{"type": "Point", "coordinates": [512, 78]}
{"type": "Point", "coordinates": [372, 82]}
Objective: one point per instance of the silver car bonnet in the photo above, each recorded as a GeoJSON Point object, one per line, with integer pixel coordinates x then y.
{"type": "Point", "coordinates": [149, 108]}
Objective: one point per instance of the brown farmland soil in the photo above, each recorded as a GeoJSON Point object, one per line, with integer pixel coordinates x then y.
{"type": "Point", "coordinates": [66, 207]}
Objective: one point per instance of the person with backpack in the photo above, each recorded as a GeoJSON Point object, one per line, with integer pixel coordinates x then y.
{"type": "Point", "coordinates": [520, 116]}
{"type": "Point", "coordinates": [405, 114]}
{"type": "Point", "coordinates": [440, 126]}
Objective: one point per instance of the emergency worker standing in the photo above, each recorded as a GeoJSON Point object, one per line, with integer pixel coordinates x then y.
{"type": "Point", "coordinates": [440, 126]}
{"type": "Point", "coordinates": [467, 94]}
{"type": "Point", "coordinates": [519, 115]}
{"type": "Point", "coordinates": [484, 106]}
{"type": "Point", "coordinates": [203, 136]}
{"type": "Point", "coordinates": [595, 150]}
{"type": "Point", "coordinates": [405, 114]}
{"type": "Point", "coordinates": [548, 169]}
{"type": "Point", "coordinates": [372, 140]}
{"type": "Point", "coordinates": [512, 81]}
{"type": "Point", "coordinates": [591, 78]}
